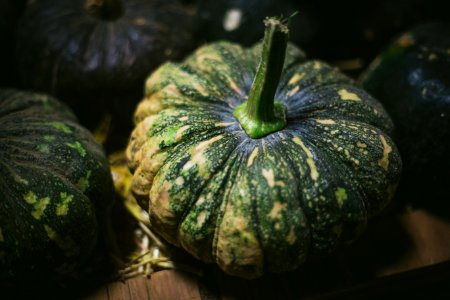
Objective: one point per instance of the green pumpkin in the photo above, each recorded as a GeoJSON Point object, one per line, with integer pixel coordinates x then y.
{"type": "Point", "coordinates": [254, 184]}
{"type": "Point", "coordinates": [411, 77]}
{"type": "Point", "coordinates": [95, 55]}
{"type": "Point", "coordinates": [55, 188]}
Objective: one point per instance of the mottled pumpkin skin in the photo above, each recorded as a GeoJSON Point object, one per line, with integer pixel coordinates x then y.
{"type": "Point", "coordinates": [412, 80]}
{"type": "Point", "coordinates": [268, 204]}
{"type": "Point", "coordinates": [97, 65]}
{"type": "Point", "coordinates": [55, 187]}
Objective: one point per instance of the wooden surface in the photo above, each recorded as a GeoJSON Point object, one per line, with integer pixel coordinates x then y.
{"type": "Point", "coordinates": [404, 254]}
{"type": "Point", "coordinates": [401, 255]}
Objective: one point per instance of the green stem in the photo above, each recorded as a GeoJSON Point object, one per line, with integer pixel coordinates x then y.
{"type": "Point", "coordinates": [104, 9]}
{"type": "Point", "coordinates": [261, 115]}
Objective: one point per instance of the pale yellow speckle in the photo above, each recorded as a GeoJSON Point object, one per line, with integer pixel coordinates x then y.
{"type": "Point", "coordinates": [325, 121]}
{"type": "Point", "coordinates": [20, 180]}
{"type": "Point", "coordinates": [347, 153]}
{"type": "Point", "coordinates": [361, 145]}
{"type": "Point", "coordinates": [179, 181]}
{"type": "Point", "coordinates": [139, 21]}
{"type": "Point", "coordinates": [291, 237]}
{"type": "Point", "coordinates": [317, 65]}
{"type": "Point", "coordinates": [160, 201]}
{"type": "Point", "coordinates": [184, 119]}
{"type": "Point", "coordinates": [270, 177]}
{"type": "Point", "coordinates": [197, 154]}
{"type": "Point", "coordinates": [277, 209]}
{"type": "Point", "coordinates": [252, 156]}
{"type": "Point", "coordinates": [234, 87]}
{"type": "Point", "coordinates": [39, 207]}
{"type": "Point", "coordinates": [277, 226]}
{"type": "Point", "coordinates": [346, 95]}
{"type": "Point", "coordinates": [206, 55]}
{"type": "Point", "coordinates": [172, 90]}
{"type": "Point", "coordinates": [224, 124]}
{"type": "Point", "coordinates": [30, 197]}
{"type": "Point", "coordinates": [153, 78]}
{"type": "Point", "coordinates": [424, 92]}
{"type": "Point", "coordinates": [200, 200]}
{"type": "Point", "coordinates": [384, 161]}
{"type": "Point", "coordinates": [296, 78]}
{"type": "Point", "coordinates": [63, 207]}
{"type": "Point", "coordinates": [180, 132]}
{"type": "Point", "coordinates": [293, 91]}
{"type": "Point", "coordinates": [333, 132]}
{"type": "Point", "coordinates": [201, 218]}
{"type": "Point", "coordinates": [200, 89]}
{"type": "Point", "coordinates": [309, 160]}
{"type": "Point", "coordinates": [432, 56]}
{"type": "Point", "coordinates": [188, 165]}
{"type": "Point", "coordinates": [280, 183]}
{"type": "Point", "coordinates": [406, 40]}
{"type": "Point", "coordinates": [341, 196]}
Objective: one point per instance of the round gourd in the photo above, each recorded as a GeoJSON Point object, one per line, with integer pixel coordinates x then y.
{"type": "Point", "coordinates": [55, 188]}
{"type": "Point", "coordinates": [95, 54]}
{"type": "Point", "coordinates": [412, 80]}
{"type": "Point", "coordinates": [254, 184]}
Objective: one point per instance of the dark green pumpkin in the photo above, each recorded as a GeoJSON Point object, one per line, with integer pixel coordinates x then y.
{"type": "Point", "coordinates": [259, 204]}
{"type": "Point", "coordinates": [412, 79]}
{"type": "Point", "coordinates": [95, 54]}
{"type": "Point", "coordinates": [55, 188]}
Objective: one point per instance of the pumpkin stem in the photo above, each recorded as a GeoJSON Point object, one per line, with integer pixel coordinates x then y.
{"type": "Point", "coordinates": [104, 9]}
{"type": "Point", "coordinates": [261, 115]}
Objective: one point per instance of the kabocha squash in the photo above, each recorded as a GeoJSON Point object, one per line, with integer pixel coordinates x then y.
{"type": "Point", "coordinates": [55, 188]}
{"type": "Point", "coordinates": [254, 184]}
{"type": "Point", "coordinates": [95, 54]}
{"type": "Point", "coordinates": [412, 79]}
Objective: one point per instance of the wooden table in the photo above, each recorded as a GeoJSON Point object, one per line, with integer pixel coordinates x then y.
{"type": "Point", "coordinates": [402, 255]}
{"type": "Point", "coordinates": [406, 253]}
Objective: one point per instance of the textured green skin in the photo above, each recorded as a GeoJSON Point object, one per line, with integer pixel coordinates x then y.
{"type": "Point", "coordinates": [46, 157]}
{"type": "Point", "coordinates": [411, 78]}
{"type": "Point", "coordinates": [207, 191]}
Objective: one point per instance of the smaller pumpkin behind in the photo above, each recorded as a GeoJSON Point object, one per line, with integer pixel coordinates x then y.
{"type": "Point", "coordinates": [411, 77]}
{"type": "Point", "coordinates": [95, 54]}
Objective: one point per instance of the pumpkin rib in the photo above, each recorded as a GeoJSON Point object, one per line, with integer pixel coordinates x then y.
{"type": "Point", "coordinates": [238, 250]}
{"type": "Point", "coordinates": [281, 202]}
{"type": "Point", "coordinates": [343, 171]}
{"type": "Point", "coordinates": [182, 154]}
{"type": "Point", "coordinates": [200, 191]}
{"type": "Point", "coordinates": [216, 64]}
{"type": "Point", "coordinates": [210, 219]}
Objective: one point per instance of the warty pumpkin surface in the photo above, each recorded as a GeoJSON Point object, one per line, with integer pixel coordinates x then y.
{"type": "Point", "coordinates": [55, 188]}
{"type": "Point", "coordinates": [270, 203]}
